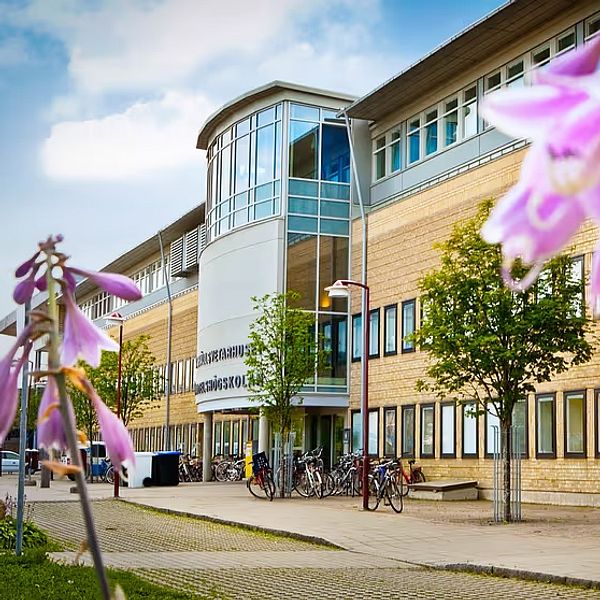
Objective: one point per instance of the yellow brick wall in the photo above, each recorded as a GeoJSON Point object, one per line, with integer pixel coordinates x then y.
{"type": "Point", "coordinates": [400, 250]}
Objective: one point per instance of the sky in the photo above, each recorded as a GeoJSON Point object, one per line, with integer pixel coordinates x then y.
{"type": "Point", "coordinates": [101, 100]}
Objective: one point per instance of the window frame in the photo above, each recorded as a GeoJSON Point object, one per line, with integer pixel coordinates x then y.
{"type": "Point", "coordinates": [423, 407]}
{"type": "Point", "coordinates": [452, 454]}
{"type": "Point", "coordinates": [596, 452]}
{"type": "Point", "coordinates": [373, 411]}
{"type": "Point", "coordinates": [357, 357]}
{"type": "Point", "coordinates": [476, 418]}
{"type": "Point", "coordinates": [390, 410]}
{"type": "Point", "coordinates": [372, 313]}
{"type": "Point", "coordinates": [386, 309]}
{"type": "Point", "coordinates": [525, 401]}
{"type": "Point", "coordinates": [584, 452]}
{"type": "Point", "coordinates": [487, 453]}
{"type": "Point", "coordinates": [406, 408]}
{"type": "Point", "coordinates": [353, 413]}
{"type": "Point", "coordinates": [404, 348]}
{"type": "Point", "coordinates": [539, 454]}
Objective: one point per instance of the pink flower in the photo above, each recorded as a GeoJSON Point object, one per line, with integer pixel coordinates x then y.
{"type": "Point", "coordinates": [26, 266]}
{"type": "Point", "coordinates": [9, 372]}
{"type": "Point", "coordinates": [24, 289]}
{"type": "Point", "coordinates": [114, 433]}
{"type": "Point", "coordinates": [51, 429]}
{"type": "Point", "coordinates": [82, 339]}
{"type": "Point", "coordinates": [113, 283]}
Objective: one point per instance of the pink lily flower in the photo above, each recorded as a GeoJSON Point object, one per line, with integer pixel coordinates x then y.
{"type": "Point", "coordinates": [114, 433]}
{"type": "Point", "coordinates": [24, 289]}
{"type": "Point", "coordinates": [9, 372]}
{"type": "Point", "coordinates": [26, 266]}
{"type": "Point", "coordinates": [51, 429]}
{"type": "Point", "coordinates": [113, 283]}
{"type": "Point", "coordinates": [82, 339]}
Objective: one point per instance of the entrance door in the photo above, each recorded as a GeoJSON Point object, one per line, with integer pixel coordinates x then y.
{"type": "Point", "coordinates": [325, 439]}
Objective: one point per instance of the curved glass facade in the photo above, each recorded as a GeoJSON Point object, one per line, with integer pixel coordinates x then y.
{"type": "Point", "coordinates": [244, 173]}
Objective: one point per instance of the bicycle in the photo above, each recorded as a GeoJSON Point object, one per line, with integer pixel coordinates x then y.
{"type": "Point", "coordinates": [414, 475]}
{"type": "Point", "coordinates": [261, 477]}
{"type": "Point", "coordinates": [386, 484]}
{"type": "Point", "coordinates": [308, 475]}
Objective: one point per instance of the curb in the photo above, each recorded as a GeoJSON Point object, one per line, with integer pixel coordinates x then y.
{"type": "Point", "coordinates": [278, 532]}
{"type": "Point", "coordinates": [519, 574]}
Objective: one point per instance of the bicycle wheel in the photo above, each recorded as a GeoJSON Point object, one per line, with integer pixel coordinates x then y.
{"type": "Point", "coordinates": [301, 484]}
{"type": "Point", "coordinates": [329, 486]}
{"type": "Point", "coordinates": [394, 495]}
{"type": "Point", "coordinates": [109, 476]}
{"type": "Point", "coordinates": [252, 485]}
{"type": "Point", "coordinates": [268, 486]}
{"type": "Point", "coordinates": [318, 485]}
{"type": "Point", "coordinates": [374, 497]}
{"type": "Point", "coordinates": [404, 484]}
{"type": "Point", "coordinates": [221, 471]}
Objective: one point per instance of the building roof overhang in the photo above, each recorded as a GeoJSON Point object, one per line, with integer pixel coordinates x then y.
{"type": "Point", "coordinates": [482, 39]}
{"type": "Point", "coordinates": [222, 114]}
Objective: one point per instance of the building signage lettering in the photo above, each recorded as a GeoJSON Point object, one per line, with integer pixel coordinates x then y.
{"type": "Point", "coordinates": [221, 383]}
{"type": "Point", "coordinates": [213, 356]}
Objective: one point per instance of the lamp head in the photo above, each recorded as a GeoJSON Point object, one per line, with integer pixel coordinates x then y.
{"type": "Point", "coordinates": [338, 290]}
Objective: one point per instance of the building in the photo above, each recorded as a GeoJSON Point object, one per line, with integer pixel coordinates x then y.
{"type": "Point", "coordinates": [281, 213]}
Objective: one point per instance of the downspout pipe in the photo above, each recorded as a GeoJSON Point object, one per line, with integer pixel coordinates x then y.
{"type": "Point", "coordinates": [169, 339]}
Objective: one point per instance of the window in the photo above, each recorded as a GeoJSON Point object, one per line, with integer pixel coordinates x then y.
{"type": "Point", "coordinates": [408, 431]}
{"type": "Point", "coordinates": [493, 435]}
{"type": "Point", "coordinates": [408, 325]}
{"type": "Point", "coordinates": [235, 438]}
{"type": "Point", "coordinates": [450, 121]}
{"type": "Point", "coordinates": [396, 158]}
{"type": "Point", "coordinates": [577, 277]}
{"type": "Point", "coordinates": [389, 419]}
{"type": "Point", "coordinates": [414, 140]}
{"type": "Point", "coordinates": [431, 132]}
{"type": "Point", "coordinates": [217, 439]}
{"type": "Point", "coordinates": [226, 438]}
{"type": "Point", "coordinates": [540, 56]}
{"type": "Point", "coordinates": [470, 430]}
{"type": "Point", "coordinates": [374, 333]}
{"type": "Point", "coordinates": [592, 26]}
{"type": "Point", "coordinates": [448, 441]}
{"type": "Point", "coordinates": [356, 431]}
{"type": "Point", "coordinates": [389, 329]}
{"type": "Point", "coordinates": [469, 112]}
{"type": "Point", "coordinates": [519, 421]}
{"type": "Point", "coordinates": [545, 426]}
{"type": "Point", "coordinates": [427, 429]}
{"type": "Point", "coordinates": [387, 154]}
{"type": "Point", "coordinates": [515, 74]}
{"type": "Point", "coordinates": [357, 340]}
{"type": "Point", "coordinates": [575, 441]}
{"type": "Point", "coordinates": [380, 158]}
{"type": "Point", "coordinates": [565, 41]}
{"type": "Point", "coordinates": [597, 406]}
{"type": "Point", "coordinates": [374, 432]}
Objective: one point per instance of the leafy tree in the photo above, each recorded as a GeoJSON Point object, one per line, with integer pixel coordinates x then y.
{"type": "Point", "coordinates": [282, 357]}
{"type": "Point", "coordinates": [139, 383]}
{"type": "Point", "coordinates": [489, 344]}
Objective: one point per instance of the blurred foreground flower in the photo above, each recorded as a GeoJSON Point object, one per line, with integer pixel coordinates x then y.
{"type": "Point", "coordinates": [47, 270]}
{"type": "Point", "coordinates": [559, 185]}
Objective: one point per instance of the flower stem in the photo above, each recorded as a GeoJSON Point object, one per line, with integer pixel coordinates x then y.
{"type": "Point", "coordinates": [69, 421]}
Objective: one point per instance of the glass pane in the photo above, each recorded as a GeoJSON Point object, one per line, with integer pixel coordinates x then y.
{"type": "Point", "coordinates": [470, 120]}
{"type": "Point", "coordinates": [265, 154]}
{"type": "Point", "coordinates": [240, 217]}
{"type": "Point", "coordinates": [374, 433]}
{"type": "Point", "coordinates": [225, 172]}
{"type": "Point", "coordinates": [242, 127]}
{"type": "Point", "coordinates": [414, 141]}
{"type": "Point", "coordinates": [390, 329]}
{"type": "Point", "coordinates": [519, 421]}
{"type": "Point", "coordinates": [335, 191]}
{"type": "Point", "coordinates": [380, 164]}
{"type": "Point", "coordinates": [226, 438]}
{"type": "Point", "coordinates": [307, 113]}
{"type": "Point", "coordinates": [451, 127]}
{"type": "Point", "coordinates": [470, 94]}
{"type": "Point", "coordinates": [395, 158]}
{"type": "Point", "coordinates": [380, 143]}
{"type": "Point", "coordinates": [242, 163]}
{"type": "Point", "coordinates": [335, 209]}
{"type": "Point", "coordinates": [390, 432]}
{"type": "Point", "coordinates": [263, 192]}
{"type": "Point", "coordinates": [217, 439]}
{"type": "Point", "coordinates": [305, 206]}
{"type": "Point", "coordinates": [302, 268]}
{"type": "Point", "coordinates": [427, 430]}
{"type": "Point", "coordinates": [593, 27]}
{"type": "Point", "coordinates": [241, 200]}
{"type": "Point", "coordinates": [335, 155]}
{"type": "Point", "coordinates": [303, 188]}
{"type": "Point", "coordinates": [491, 420]}
{"type": "Point", "coordinates": [307, 224]}
{"type": "Point", "coordinates": [304, 144]}
{"type": "Point", "coordinates": [408, 431]}
{"type": "Point", "coordinates": [492, 82]}
{"type": "Point", "coordinates": [330, 115]}
{"type": "Point", "coordinates": [545, 433]}
{"type": "Point", "coordinates": [541, 56]}
{"type": "Point", "coordinates": [333, 265]}
{"type": "Point", "coordinates": [266, 116]}
{"type": "Point", "coordinates": [357, 340]}
{"type": "Point", "coordinates": [469, 430]}
{"type": "Point", "coordinates": [374, 333]}
{"type": "Point", "coordinates": [356, 432]}
{"type": "Point", "coordinates": [408, 324]}
{"type": "Point", "coordinates": [334, 333]}
{"type": "Point", "coordinates": [335, 227]}
{"type": "Point", "coordinates": [235, 438]}
{"type": "Point", "coordinates": [575, 422]}
{"type": "Point", "coordinates": [448, 413]}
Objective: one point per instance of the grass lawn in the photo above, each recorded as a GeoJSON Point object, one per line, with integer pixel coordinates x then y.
{"type": "Point", "coordinates": [33, 577]}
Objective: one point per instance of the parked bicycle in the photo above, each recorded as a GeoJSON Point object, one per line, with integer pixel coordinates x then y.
{"type": "Point", "coordinates": [346, 475]}
{"type": "Point", "coordinates": [413, 475]}
{"type": "Point", "coordinates": [309, 478]}
{"type": "Point", "coordinates": [386, 483]}
{"type": "Point", "coordinates": [190, 468]}
{"type": "Point", "coordinates": [261, 480]}
{"type": "Point", "coordinates": [230, 469]}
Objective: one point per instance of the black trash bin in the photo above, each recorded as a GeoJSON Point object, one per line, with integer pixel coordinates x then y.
{"type": "Point", "coordinates": [165, 468]}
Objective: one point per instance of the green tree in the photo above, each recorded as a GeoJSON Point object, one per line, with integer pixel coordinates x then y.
{"type": "Point", "coordinates": [489, 344]}
{"type": "Point", "coordinates": [283, 355]}
{"type": "Point", "coordinates": [139, 383]}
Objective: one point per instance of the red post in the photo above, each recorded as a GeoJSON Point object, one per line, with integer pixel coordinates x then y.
{"type": "Point", "coordinates": [365, 397]}
{"type": "Point", "coordinates": [116, 484]}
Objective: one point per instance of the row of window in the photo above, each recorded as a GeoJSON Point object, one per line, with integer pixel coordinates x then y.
{"type": "Point", "coordinates": [390, 330]}
{"type": "Point", "coordinates": [187, 438]}
{"type": "Point", "coordinates": [230, 437]}
{"type": "Point", "coordinates": [575, 427]}
{"type": "Point", "coordinates": [182, 376]}
{"type": "Point", "coordinates": [454, 118]}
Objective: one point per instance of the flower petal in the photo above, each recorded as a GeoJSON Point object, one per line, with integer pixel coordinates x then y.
{"type": "Point", "coordinates": [50, 426]}
{"type": "Point", "coordinates": [26, 266]}
{"type": "Point", "coordinates": [113, 283]}
{"type": "Point", "coordinates": [114, 433]}
{"type": "Point", "coordinates": [579, 62]}
{"type": "Point", "coordinates": [82, 339]}
{"type": "Point", "coordinates": [41, 283]}
{"type": "Point", "coordinates": [24, 290]}
{"type": "Point", "coordinates": [8, 389]}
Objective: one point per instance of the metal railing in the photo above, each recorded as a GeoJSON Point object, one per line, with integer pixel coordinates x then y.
{"type": "Point", "coordinates": [515, 454]}
{"type": "Point", "coordinates": [283, 463]}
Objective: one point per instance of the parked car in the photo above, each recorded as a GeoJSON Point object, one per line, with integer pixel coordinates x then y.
{"type": "Point", "coordinates": [10, 462]}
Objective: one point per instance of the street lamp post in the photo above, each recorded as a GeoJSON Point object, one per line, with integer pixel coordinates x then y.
{"type": "Point", "coordinates": [116, 319]}
{"type": "Point", "coordinates": [340, 290]}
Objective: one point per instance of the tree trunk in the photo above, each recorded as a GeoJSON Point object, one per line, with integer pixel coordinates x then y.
{"type": "Point", "coordinates": [505, 445]}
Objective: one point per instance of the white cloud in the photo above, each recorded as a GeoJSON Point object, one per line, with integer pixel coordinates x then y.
{"type": "Point", "coordinates": [146, 137]}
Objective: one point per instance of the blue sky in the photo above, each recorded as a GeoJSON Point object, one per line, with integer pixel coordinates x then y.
{"type": "Point", "coordinates": [101, 100]}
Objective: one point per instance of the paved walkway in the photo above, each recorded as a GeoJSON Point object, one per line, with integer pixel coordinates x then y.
{"type": "Point", "coordinates": [379, 547]}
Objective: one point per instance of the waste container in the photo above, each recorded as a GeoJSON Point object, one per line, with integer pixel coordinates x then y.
{"type": "Point", "coordinates": [165, 468]}
{"type": "Point", "coordinates": [32, 459]}
{"type": "Point", "coordinates": [143, 469]}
